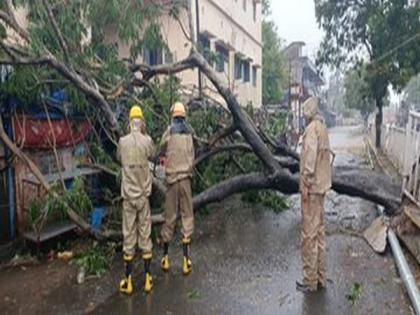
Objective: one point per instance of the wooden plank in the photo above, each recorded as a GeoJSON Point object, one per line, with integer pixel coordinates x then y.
{"type": "Point", "coordinates": [414, 214]}
{"type": "Point", "coordinates": [50, 232]}
{"type": "Point", "coordinates": [409, 196]}
{"type": "Point", "coordinates": [412, 243]}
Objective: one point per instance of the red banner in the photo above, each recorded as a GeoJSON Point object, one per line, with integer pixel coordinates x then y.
{"type": "Point", "coordinates": [39, 134]}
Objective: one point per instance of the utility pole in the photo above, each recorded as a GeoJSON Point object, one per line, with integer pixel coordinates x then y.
{"type": "Point", "coordinates": [197, 27]}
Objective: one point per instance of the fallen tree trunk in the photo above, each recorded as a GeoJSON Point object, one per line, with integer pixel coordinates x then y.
{"type": "Point", "coordinates": [283, 171]}
{"type": "Point", "coordinates": [355, 183]}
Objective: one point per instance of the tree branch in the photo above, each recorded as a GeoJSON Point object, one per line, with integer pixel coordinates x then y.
{"type": "Point", "coordinates": [226, 148]}
{"type": "Point", "coordinates": [240, 118]}
{"type": "Point", "coordinates": [9, 19]}
{"type": "Point", "coordinates": [222, 134]}
{"type": "Point", "coordinates": [241, 183]}
{"type": "Point", "coordinates": [57, 32]}
{"type": "Point", "coordinates": [149, 72]}
{"type": "Point", "coordinates": [193, 35]}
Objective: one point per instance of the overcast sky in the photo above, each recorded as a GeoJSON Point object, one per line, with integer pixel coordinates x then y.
{"type": "Point", "coordinates": [296, 22]}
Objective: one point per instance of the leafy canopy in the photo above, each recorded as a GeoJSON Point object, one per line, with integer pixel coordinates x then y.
{"type": "Point", "coordinates": [274, 74]}
{"type": "Point", "coordinates": [380, 34]}
{"type": "Point", "coordinates": [357, 93]}
{"type": "Point", "coordinates": [412, 91]}
{"type": "Point", "coordinates": [89, 29]}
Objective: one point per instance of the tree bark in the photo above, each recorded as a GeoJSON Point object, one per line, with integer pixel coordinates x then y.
{"type": "Point", "coordinates": [241, 120]}
{"type": "Point", "coordinates": [358, 183]}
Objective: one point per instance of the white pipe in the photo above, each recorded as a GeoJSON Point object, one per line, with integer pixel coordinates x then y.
{"type": "Point", "coordinates": [405, 272]}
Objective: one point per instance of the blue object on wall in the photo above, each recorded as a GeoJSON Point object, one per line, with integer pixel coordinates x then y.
{"type": "Point", "coordinates": [96, 219]}
{"type": "Point", "coordinates": [58, 97]}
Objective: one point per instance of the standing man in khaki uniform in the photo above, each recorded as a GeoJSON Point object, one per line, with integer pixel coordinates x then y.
{"type": "Point", "coordinates": [178, 144]}
{"type": "Point", "coordinates": [135, 150]}
{"type": "Point", "coordinates": [315, 181]}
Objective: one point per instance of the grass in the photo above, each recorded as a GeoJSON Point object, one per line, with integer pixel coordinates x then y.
{"type": "Point", "coordinates": [355, 293]}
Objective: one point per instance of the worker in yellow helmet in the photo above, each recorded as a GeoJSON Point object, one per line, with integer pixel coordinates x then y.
{"type": "Point", "coordinates": [177, 142]}
{"type": "Point", "coordinates": [134, 151]}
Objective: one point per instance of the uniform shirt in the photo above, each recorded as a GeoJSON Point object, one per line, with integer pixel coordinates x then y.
{"type": "Point", "coordinates": [315, 163]}
{"type": "Point", "coordinates": [179, 152]}
{"type": "Point", "coordinates": [134, 151]}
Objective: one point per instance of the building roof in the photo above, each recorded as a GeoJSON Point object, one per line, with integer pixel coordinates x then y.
{"type": "Point", "coordinates": [310, 71]}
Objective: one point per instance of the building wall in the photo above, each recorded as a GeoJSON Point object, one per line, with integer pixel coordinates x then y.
{"type": "Point", "coordinates": [229, 23]}
{"type": "Point", "coordinates": [224, 23]}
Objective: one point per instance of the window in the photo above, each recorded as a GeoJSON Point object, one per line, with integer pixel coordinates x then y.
{"type": "Point", "coordinates": [238, 68]}
{"type": "Point", "coordinates": [158, 56]}
{"type": "Point", "coordinates": [153, 57]}
{"type": "Point", "coordinates": [246, 70]}
{"type": "Point", "coordinates": [244, 4]}
{"type": "Point", "coordinates": [204, 46]}
{"type": "Point", "coordinates": [254, 76]}
{"type": "Point", "coordinates": [169, 57]}
{"type": "Point", "coordinates": [222, 58]}
{"type": "Point", "coordinates": [254, 7]}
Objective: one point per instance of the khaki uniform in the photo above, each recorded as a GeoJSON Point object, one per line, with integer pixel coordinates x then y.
{"type": "Point", "coordinates": [315, 181]}
{"type": "Point", "coordinates": [134, 151]}
{"type": "Point", "coordinates": [179, 171]}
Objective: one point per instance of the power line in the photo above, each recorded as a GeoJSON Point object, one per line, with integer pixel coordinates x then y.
{"type": "Point", "coordinates": [390, 52]}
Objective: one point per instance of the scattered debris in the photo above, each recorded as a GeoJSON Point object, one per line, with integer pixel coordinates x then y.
{"type": "Point", "coordinates": [65, 256]}
{"type": "Point", "coordinates": [376, 234]}
{"type": "Point", "coordinates": [20, 261]}
{"type": "Point", "coordinates": [81, 275]}
{"type": "Point", "coordinates": [193, 294]}
{"type": "Point", "coordinates": [95, 262]}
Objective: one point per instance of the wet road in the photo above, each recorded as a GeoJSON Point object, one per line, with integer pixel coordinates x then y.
{"type": "Point", "coordinates": [246, 261]}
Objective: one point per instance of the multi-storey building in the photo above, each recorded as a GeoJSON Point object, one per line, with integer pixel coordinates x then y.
{"type": "Point", "coordinates": [305, 81]}
{"type": "Point", "coordinates": [229, 30]}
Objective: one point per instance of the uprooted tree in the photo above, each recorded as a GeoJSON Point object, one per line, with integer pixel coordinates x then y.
{"type": "Point", "coordinates": [56, 49]}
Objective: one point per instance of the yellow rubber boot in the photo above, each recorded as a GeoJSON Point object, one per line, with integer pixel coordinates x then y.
{"type": "Point", "coordinates": [165, 260]}
{"type": "Point", "coordinates": [186, 266]}
{"type": "Point", "coordinates": [148, 283]}
{"type": "Point", "coordinates": [186, 263]}
{"type": "Point", "coordinates": [165, 263]}
{"type": "Point", "coordinates": [126, 286]}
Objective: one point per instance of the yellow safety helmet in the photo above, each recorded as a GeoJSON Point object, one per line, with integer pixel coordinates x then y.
{"type": "Point", "coordinates": [136, 113]}
{"type": "Point", "coordinates": [178, 110]}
